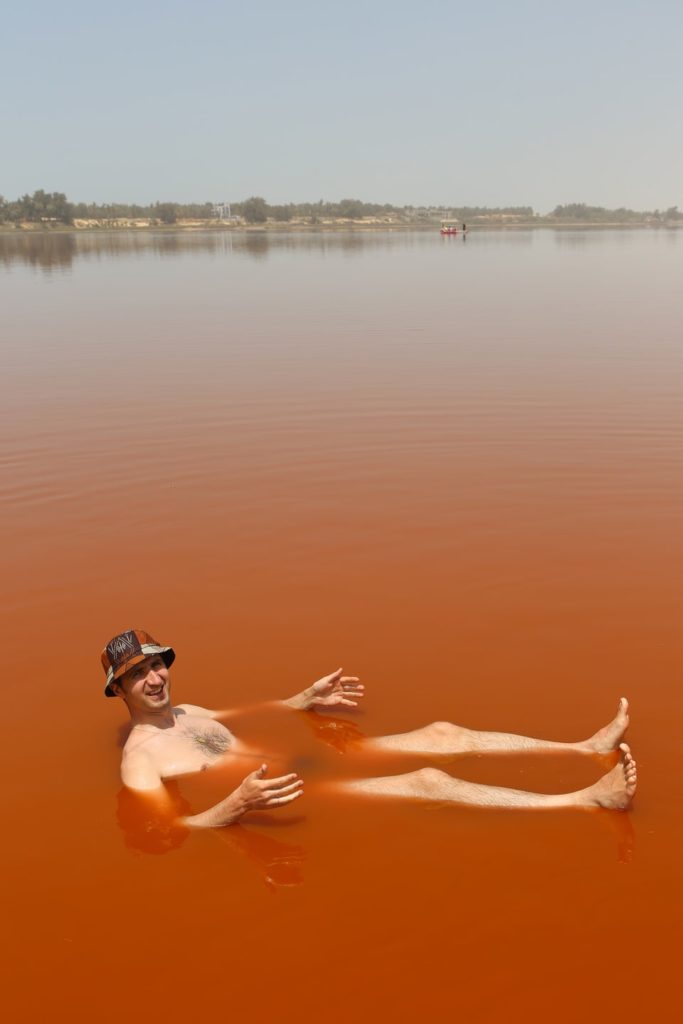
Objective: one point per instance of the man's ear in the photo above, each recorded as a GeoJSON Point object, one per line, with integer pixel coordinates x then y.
{"type": "Point", "coordinates": [118, 690]}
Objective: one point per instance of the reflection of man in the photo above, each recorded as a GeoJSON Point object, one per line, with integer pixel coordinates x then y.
{"type": "Point", "coordinates": [166, 742]}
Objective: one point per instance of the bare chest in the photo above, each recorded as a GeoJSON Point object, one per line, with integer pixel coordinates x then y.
{"type": "Point", "coordinates": [193, 746]}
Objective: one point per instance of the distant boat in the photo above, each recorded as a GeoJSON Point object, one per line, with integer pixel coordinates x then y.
{"type": "Point", "coordinates": [450, 227]}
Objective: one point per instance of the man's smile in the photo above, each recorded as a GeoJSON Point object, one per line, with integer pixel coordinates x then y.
{"type": "Point", "coordinates": [158, 693]}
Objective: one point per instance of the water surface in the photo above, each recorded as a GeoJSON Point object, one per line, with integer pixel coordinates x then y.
{"type": "Point", "coordinates": [453, 468]}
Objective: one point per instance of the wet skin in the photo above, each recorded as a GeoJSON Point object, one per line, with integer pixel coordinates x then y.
{"type": "Point", "coordinates": [166, 742]}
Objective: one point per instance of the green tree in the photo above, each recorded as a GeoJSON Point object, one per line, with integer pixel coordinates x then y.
{"type": "Point", "coordinates": [43, 206]}
{"type": "Point", "coordinates": [255, 210]}
{"type": "Point", "coordinates": [167, 213]}
{"type": "Point", "coordinates": [51, 206]}
{"type": "Point", "coordinates": [282, 213]}
{"type": "Point", "coordinates": [351, 209]}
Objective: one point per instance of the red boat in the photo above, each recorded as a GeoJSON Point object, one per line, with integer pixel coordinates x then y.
{"type": "Point", "coordinates": [449, 227]}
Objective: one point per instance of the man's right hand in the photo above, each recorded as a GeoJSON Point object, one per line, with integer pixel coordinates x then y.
{"type": "Point", "coordinates": [257, 793]}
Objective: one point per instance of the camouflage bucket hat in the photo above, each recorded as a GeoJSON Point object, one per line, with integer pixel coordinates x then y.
{"type": "Point", "coordinates": [128, 649]}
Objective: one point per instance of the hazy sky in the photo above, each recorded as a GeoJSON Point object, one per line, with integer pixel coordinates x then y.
{"type": "Point", "coordinates": [488, 102]}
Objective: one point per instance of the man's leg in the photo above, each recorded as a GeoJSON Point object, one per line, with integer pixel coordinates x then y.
{"type": "Point", "coordinates": [613, 791]}
{"type": "Point", "coordinates": [446, 738]}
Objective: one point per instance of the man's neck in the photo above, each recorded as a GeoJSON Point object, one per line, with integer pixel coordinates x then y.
{"type": "Point", "coordinates": [157, 719]}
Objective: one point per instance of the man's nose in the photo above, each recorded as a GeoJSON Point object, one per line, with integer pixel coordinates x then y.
{"type": "Point", "coordinates": [154, 676]}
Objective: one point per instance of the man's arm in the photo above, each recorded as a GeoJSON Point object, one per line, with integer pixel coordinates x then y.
{"type": "Point", "coordinates": [331, 691]}
{"type": "Point", "coordinates": [254, 793]}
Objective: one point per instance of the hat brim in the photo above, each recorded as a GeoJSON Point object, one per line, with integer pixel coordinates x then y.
{"type": "Point", "coordinates": [148, 651]}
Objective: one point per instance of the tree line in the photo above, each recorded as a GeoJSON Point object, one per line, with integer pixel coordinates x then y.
{"type": "Point", "coordinates": [594, 214]}
{"type": "Point", "coordinates": [54, 208]}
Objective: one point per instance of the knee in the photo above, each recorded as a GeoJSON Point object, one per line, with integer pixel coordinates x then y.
{"type": "Point", "coordinates": [430, 781]}
{"type": "Point", "coordinates": [444, 731]}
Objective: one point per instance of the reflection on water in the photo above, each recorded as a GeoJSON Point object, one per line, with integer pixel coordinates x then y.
{"type": "Point", "coordinates": [621, 827]}
{"type": "Point", "coordinates": [59, 250]}
{"type": "Point", "coordinates": [46, 251]}
{"type": "Point", "coordinates": [279, 863]}
{"type": "Point", "coordinates": [145, 830]}
{"type": "Point", "coordinates": [342, 734]}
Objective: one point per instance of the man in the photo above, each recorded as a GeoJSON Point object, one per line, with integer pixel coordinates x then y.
{"type": "Point", "coordinates": [166, 742]}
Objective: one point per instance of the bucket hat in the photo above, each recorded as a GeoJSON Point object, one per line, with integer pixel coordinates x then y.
{"type": "Point", "coordinates": [128, 649]}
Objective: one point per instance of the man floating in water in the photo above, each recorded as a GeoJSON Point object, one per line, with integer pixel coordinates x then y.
{"type": "Point", "coordinates": [166, 742]}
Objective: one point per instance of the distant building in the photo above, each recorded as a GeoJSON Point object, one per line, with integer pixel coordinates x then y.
{"type": "Point", "coordinates": [221, 211]}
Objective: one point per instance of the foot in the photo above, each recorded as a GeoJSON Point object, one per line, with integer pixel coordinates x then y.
{"type": "Point", "coordinates": [615, 790]}
{"type": "Point", "coordinates": [608, 739]}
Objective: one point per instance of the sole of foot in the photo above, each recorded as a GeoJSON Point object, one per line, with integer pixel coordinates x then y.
{"type": "Point", "coordinates": [615, 791]}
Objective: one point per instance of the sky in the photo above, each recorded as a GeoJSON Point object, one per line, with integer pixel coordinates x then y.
{"type": "Point", "coordinates": [487, 103]}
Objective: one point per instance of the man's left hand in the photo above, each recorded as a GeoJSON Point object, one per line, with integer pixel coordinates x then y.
{"type": "Point", "coordinates": [331, 691]}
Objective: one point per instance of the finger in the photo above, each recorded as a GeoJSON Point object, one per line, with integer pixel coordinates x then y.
{"type": "Point", "coordinates": [283, 780]}
{"type": "Point", "coordinates": [279, 800]}
{"type": "Point", "coordinates": [351, 679]}
{"type": "Point", "coordinates": [258, 774]}
{"type": "Point", "coordinates": [336, 699]}
{"type": "Point", "coordinates": [354, 691]}
{"type": "Point", "coordinates": [270, 793]}
{"type": "Point", "coordinates": [333, 676]}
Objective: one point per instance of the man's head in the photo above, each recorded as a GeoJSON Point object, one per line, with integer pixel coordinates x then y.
{"type": "Point", "coordinates": [145, 688]}
{"type": "Point", "coordinates": [137, 666]}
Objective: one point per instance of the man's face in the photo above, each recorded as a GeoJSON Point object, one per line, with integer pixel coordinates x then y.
{"type": "Point", "coordinates": [146, 686]}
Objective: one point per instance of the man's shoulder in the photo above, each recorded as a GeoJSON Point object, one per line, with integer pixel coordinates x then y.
{"type": "Point", "coordinates": [193, 709]}
{"type": "Point", "coordinates": [138, 770]}
{"type": "Point", "coordinates": [136, 746]}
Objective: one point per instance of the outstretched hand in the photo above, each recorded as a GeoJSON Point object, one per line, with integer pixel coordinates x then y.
{"type": "Point", "coordinates": [258, 793]}
{"type": "Point", "coordinates": [255, 793]}
{"type": "Point", "coordinates": [331, 691]}
{"type": "Point", "coordinates": [335, 690]}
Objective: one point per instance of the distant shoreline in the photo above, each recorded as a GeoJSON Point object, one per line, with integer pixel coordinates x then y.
{"type": "Point", "coordinates": [348, 227]}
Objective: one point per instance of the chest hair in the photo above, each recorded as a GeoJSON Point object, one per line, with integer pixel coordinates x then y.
{"type": "Point", "coordinates": [209, 741]}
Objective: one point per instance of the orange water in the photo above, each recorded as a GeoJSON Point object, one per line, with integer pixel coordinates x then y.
{"type": "Point", "coordinates": [453, 468]}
